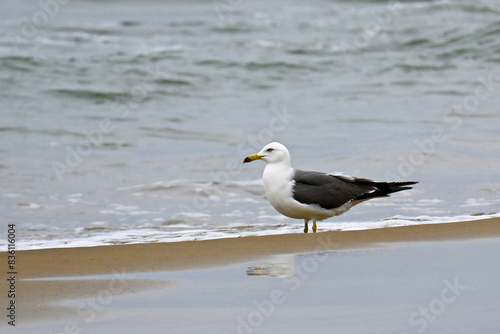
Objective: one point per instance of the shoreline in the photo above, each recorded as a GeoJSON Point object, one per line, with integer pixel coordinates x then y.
{"type": "Point", "coordinates": [57, 287]}
{"type": "Point", "coordinates": [184, 255]}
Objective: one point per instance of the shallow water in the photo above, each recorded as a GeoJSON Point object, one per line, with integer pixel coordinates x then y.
{"type": "Point", "coordinates": [134, 118]}
{"type": "Point", "coordinates": [399, 289]}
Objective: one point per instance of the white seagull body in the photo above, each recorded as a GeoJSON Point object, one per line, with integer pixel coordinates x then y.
{"type": "Point", "coordinates": [313, 195]}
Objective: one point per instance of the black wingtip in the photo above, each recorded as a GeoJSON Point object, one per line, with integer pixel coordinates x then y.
{"type": "Point", "coordinates": [387, 188]}
{"type": "Point", "coordinates": [410, 182]}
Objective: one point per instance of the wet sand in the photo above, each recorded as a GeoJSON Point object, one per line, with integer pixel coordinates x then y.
{"type": "Point", "coordinates": [220, 252]}
{"type": "Point", "coordinates": [71, 289]}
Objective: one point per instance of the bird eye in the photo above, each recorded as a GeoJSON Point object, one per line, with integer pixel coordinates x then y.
{"type": "Point", "coordinates": [270, 150]}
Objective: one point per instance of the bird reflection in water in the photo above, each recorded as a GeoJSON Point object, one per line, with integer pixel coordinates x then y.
{"type": "Point", "coordinates": [275, 266]}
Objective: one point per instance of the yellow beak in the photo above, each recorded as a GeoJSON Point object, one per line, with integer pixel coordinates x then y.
{"type": "Point", "coordinates": [252, 157]}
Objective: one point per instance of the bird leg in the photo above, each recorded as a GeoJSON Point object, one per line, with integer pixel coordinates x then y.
{"type": "Point", "coordinates": [306, 228]}
{"type": "Point", "coordinates": [314, 226]}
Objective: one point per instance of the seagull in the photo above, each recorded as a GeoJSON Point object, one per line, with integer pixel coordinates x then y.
{"type": "Point", "coordinates": [314, 195]}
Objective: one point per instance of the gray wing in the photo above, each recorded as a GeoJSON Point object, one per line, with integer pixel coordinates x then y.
{"type": "Point", "coordinates": [331, 191]}
{"type": "Point", "coordinates": [326, 190]}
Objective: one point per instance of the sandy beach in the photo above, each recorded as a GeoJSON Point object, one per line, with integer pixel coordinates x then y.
{"type": "Point", "coordinates": [103, 260]}
{"type": "Point", "coordinates": [73, 290]}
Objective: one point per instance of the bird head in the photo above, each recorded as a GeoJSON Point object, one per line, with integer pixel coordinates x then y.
{"type": "Point", "coordinates": [271, 153]}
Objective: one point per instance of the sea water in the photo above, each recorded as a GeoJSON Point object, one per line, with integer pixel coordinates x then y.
{"type": "Point", "coordinates": [128, 121]}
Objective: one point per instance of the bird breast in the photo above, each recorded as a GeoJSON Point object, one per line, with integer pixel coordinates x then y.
{"type": "Point", "coordinates": [278, 186]}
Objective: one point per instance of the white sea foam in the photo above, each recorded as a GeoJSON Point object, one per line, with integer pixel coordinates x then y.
{"type": "Point", "coordinates": [182, 231]}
